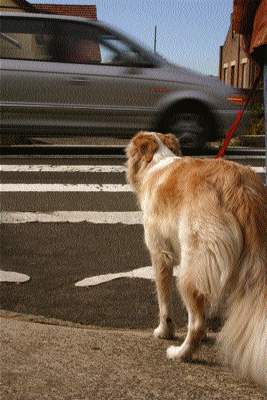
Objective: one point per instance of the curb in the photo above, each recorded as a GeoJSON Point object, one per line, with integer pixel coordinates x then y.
{"type": "Point", "coordinates": [252, 141]}
{"type": "Point", "coordinates": [112, 151]}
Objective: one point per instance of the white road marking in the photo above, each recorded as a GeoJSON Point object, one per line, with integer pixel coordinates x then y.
{"type": "Point", "coordinates": [101, 217]}
{"type": "Point", "coordinates": [258, 170]}
{"type": "Point", "coordinates": [59, 187]}
{"type": "Point", "coordinates": [63, 168]}
{"type": "Point", "coordinates": [78, 168]}
{"type": "Point", "coordinates": [143, 273]}
{"type": "Point", "coordinates": [8, 276]}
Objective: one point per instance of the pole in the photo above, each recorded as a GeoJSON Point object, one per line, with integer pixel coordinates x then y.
{"type": "Point", "coordinates": [155, 39]}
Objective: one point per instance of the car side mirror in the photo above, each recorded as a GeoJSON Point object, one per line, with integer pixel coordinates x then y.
{"type": "Point", "coordinates": [132, 60]}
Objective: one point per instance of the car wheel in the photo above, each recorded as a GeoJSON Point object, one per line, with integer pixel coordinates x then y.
{"type": "Point", "coordinates": [190, 124]}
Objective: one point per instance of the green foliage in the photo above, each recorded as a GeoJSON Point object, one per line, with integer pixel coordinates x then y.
{"type": "Point", "coordinates": [257, 126]}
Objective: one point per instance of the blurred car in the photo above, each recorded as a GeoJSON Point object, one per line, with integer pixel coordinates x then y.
{"type": "Point", "coordinates": [67, 75]}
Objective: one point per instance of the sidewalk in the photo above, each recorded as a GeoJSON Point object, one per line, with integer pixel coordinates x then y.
{"type": "Point", "coordinates": [46, 359]}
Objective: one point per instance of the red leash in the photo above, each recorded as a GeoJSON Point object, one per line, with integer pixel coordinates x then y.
{"type": "Point", "coordinates": [230, 133]}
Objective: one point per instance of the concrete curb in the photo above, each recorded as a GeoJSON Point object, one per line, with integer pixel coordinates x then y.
{"type": "Point", "coordinates": [50, 359]}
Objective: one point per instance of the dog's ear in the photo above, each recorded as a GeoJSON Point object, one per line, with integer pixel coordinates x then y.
{"type": "Point", "coordinates": [172, 143]}
{"type": "Point", "coordinates": [146, 145]}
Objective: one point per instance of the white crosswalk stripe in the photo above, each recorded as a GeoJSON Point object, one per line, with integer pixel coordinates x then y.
{"type": "Point", "coordinates": [258, 170]}
{"type": "Point", "coordinates": [59, 187]}
{"type": "Point", "coordinates": [56, 187]}
{"type": "Point", "coordinates": [63, 168]}
{"type": "Point", "coordinates": [95, 217]}
{"type": "Point", "coordinates": [79, 168]}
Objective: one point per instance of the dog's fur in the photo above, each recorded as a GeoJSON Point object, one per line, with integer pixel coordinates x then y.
{"type": "Point", "coordinates": [209, 216]}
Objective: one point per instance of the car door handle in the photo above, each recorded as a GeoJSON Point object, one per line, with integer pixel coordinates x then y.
{"type": "Point", "coordinates": [78, 80]}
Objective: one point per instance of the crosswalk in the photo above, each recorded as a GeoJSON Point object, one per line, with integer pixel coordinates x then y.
{"type": "Point", "coordinates": [47, 179]}
{"type": "Point", "coordinates": [72, 216]}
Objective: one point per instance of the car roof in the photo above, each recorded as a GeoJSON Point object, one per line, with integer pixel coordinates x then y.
{"type": "Point", "coordinates": [49, 16]}
{"type": "Point", "coordinates": [43, 15]}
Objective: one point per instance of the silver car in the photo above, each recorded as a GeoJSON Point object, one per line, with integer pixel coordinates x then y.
{"type": "Point", "coordinates": [67, 75]}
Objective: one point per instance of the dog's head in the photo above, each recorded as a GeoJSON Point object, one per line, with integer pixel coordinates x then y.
{"type": "Point", "coordinates": [145, 150]}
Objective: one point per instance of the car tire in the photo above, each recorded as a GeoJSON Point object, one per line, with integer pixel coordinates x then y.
{"type": "Point", "coordinates": [190, 123]}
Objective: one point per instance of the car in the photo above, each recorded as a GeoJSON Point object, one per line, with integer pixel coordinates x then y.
{"type": "Point", "coordinates": [68, 75]}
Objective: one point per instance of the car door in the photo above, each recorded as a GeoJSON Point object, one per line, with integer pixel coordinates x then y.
{"type": "Point", "coordinates": [62, 74]}
{"type": "Point", "coordinates": [108, 84]}
{"type": "Point", "coordinates": [30, 91]}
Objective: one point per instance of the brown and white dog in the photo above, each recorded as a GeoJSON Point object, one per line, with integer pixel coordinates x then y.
{"type": "Point", "coordinates": [210, 217]}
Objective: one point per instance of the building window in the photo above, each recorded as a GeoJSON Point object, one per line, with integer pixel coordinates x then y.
{"type": "Point", "coordinates": [225, 66]}
{"type": "Point", "coordinates": [225, 75]}
{"type": "Point", "coordinates": [244, 73]}
{"type": "Point", "coordinates": [243, 77]}
{"type": "Point", "coordinates": [233, 73]}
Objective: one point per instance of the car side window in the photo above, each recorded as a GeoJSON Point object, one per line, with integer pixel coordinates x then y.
{"type": "Point", "coordinates": [64, 42]}
{"type": "Point", "coordinates": [88, 44]}
{"type": "Point", "coordinates": [25, 39]}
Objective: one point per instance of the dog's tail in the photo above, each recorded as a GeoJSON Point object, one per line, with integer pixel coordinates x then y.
{"type": "Point", "coordinates": [229, 228]}
{"type": "Point", "coordinates": [243, 338]}
{"type": "Point", "coordinates": [233, 248]}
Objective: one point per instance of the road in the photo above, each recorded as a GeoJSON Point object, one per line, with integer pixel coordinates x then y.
{"type": "Point", "coordinates": [68, 219]}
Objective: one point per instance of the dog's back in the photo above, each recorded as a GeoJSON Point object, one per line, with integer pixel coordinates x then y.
{"type": "Point", "coordinates": [241, 193]}
{"type": "Point", "coordinates": [192, 182]}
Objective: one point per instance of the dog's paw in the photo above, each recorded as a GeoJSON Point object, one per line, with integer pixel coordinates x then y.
{"type": "Point", "coordinates": [164, 332]}
{"type": "Point", "coordinates": [178, 352]}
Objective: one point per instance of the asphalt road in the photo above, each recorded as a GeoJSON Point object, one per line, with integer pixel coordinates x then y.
{"type": "Point", "coordinates": [76, 220]}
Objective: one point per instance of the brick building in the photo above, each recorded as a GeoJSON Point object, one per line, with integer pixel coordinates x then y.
{"type": "Point", "coordinates": [86, 11]}
{"type": "Point", "coordinates": [68, 9]}
{"type": "Point", "coordinates": [235, 67]}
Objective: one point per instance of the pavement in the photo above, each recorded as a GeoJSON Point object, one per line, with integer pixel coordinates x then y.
{"type": "Point", "coordinates": [52, 359]}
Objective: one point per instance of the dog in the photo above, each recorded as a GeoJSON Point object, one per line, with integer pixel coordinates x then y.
{"type": "Point", "coordinates": [210, 217]}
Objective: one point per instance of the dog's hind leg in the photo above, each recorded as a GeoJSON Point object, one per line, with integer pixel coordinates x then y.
{"type": "Point", "coordinates": [163, 268]}
{"type": "Point", "coordinates": [194, 302]}
{"type": "Point", "coordinates": [193, 258]}
{"type": "Point", "coordinates": [211, 244]}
